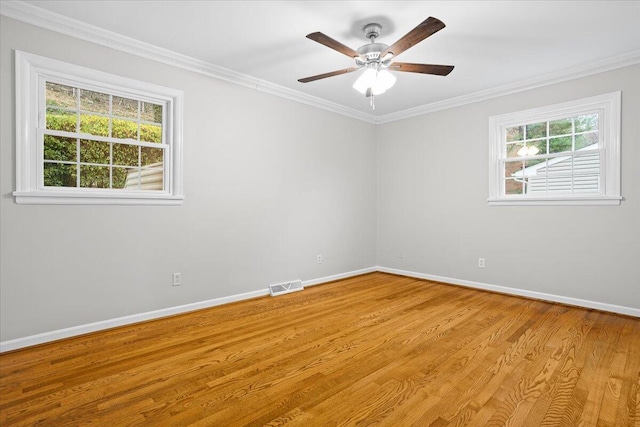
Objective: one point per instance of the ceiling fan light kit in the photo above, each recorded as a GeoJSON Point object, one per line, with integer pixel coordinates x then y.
{"type": "Point", "coordinates": [375, 80]}
{"type": "Point", "coordinates": [376, 58]}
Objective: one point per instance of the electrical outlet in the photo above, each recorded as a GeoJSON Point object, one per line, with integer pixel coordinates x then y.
{"type": "Point", "coordinates": [400, 254]}
{"type": "Point", "coordinates": [319, 259]}
{"type": "Point", "coordinates": [176, 280]}
{"type": "Point", "coordinates": [481, 262]}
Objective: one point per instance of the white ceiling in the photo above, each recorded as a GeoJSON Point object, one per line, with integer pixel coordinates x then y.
{"type": "Point", "coordinates": [491, 43]}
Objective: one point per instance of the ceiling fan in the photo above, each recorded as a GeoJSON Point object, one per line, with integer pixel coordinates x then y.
{"type": "Point", "coordinates": [376, 58]}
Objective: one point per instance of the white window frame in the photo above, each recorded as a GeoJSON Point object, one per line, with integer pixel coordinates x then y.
{"type": "Point", "coordinates": [31, 73]}
{"type": "Point", "coordinates": [608, 106]}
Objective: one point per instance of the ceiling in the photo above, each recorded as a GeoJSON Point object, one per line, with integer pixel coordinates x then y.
{"type": "Point", "coordinates": [493, 44]}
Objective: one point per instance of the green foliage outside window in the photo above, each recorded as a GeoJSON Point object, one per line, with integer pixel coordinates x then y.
{"type": "Point", "coordinates": [65, 149]}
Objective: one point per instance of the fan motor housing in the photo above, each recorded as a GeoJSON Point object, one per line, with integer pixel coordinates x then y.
{"type": "Point", "coordinates": [372, 51]}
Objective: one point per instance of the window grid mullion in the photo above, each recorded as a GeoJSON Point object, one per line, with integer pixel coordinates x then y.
{"type": "Point", "coordinates": [546, 160]}
{"type": "Point", "coordinates": [138, 119]}
{"type": "Point", "coordinates": [573, 157]}
{"type": "Point", "coordinates": [110, 132]}
{"type": "Point", "coordinates": [77, 93]}
{"type": "Point", "coordinates": [99, 138]}
{"type": "Point", "coordinates": [111, 165]}
{"type": "Point", "coordinates": [139, 165]}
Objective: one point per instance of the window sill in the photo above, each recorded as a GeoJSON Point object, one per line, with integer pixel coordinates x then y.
{"type": "Point", "coordinates": [555, 201]}
{"type": "Point", "coordinates": [69, 198]}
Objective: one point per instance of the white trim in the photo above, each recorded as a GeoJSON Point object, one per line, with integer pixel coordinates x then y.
{"type": "Point", "coordinates": [59, 334]}
{"type": "Point", "coordinates": [604, 65]}
{"type": "Point", "coordinates": [609, 107]}
{"type": "Point", "coordinates": [629, 311]}
{"type": "Point", "coordinates": [34, 15]}
{"type": "Point", "coordinates": [99, 198]}
{"type": "Point", "coordinates": [321, 280]}
{"type": "Point", "coordinates": [30, 71]}
{"type": "Point", "coordinates": [294, 95]}
{"type": "Point", "coordinates": [557, 201]}
{"type": "Point", "coordinates": [45, 337]}
{"type": "Point", "coordinates": [43, 18]}
{"type": "Point", "coordinates": [122, 321]}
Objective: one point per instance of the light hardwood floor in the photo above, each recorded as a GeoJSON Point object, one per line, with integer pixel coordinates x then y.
{"type": "Point", "coordinates": [376, 349]}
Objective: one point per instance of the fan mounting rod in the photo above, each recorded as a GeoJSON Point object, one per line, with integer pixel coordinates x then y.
{"type": "Point", "coordinates": [370, 52]}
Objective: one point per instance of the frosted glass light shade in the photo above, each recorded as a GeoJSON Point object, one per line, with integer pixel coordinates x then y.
{"type": "Point", "coordinates": [365, 81]}
{"type": "Point", "coordinates": [385, 80]}
{"type": "Point", "coordinates": [378, 81]}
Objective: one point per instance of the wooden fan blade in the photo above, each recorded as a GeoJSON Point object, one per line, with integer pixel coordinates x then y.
{"type": "Point", "coordinates": [330, 74]}
{"type": "Point", "coordinates": [415, 36]}
{"type": "Point", "coordinates": [333, 44]}
{"type": "Point", "coordinates": [438, 70]}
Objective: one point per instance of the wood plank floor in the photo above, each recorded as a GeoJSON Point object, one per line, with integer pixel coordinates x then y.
{"type": "Point", "coordinates": [376, 349]}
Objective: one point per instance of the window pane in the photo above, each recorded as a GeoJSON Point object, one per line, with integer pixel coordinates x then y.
{"type": "Point", "coordinates": [152, 156]}
{"type": "Point", "coordinates": [537, 130]}
{"type": "Point", "coordinates": [511, 186]}
{"type": "Point", "coordinates": [587, 165]}
{"type": "Point", "coordinates": [125, 129]}
{"type": "Point", "coordinates": [587, 122]}
{"type": "Point", "coordinates": [515, 133]}
{"type": "Point", "coordinates": [560, 144]}
{"type": "Point", "coordinates": [528, 149]}
{"type": "Point", "coordinates": [529, 163]}
{"type": "Point", "coordinates": [61, 120]}
{"type": "Point", "coordinates": [132, 180]}
{"type": "Point", "coordinates": [586, 140]}
{"type": "Point", "coordinates": [95, 102]}
{"type": "Point", "coordinates": [94, 152]}
{"type": "Point", "coordinates": [120, 176]}
{"type": "Point", "coordinates": [586, 183]}
{"type": "Point", "coordinates": [151, 112]}
{"type": "Point", "coordinates": [541, 146]}
{"type": "Point", "coordinates": [151, 179]}
{"type": "Point", "coordinates": [524, 170]}
{"type": "Point", "coordinates": [125, 107]}
{"type": "Point", "coordinates": [61, 96]}
{"type": "Point", "coordinates": [94, 125]}
{"type": "Point", "coordinates": [125, 155]}
{"type": "Point", "coordinates": [94, 176]}
{"type": "Point", "coordinates": [151, 133]}
{"type": "Point", "coordinates": [560, 127]}
{"type": "Point", "coordinates": [536, 176]}
{"type": "Point", "coordinates": [512, 149]}
{"type": "Point", "coordinates": [559, 182]}
{"type": "Point", "coordinates": [58, 148]}
{"type": "Point", "coordinates": [59, 175]}
{"type": "Point", "coordinates": [512, 169]}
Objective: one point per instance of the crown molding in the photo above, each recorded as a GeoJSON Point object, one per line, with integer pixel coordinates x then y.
{"type": "Point", "coordinates": [43, 18]}
{"type": "Point", "coordinates": [25, 12]}
{"type": "Point", "coordinates": [608, 64]}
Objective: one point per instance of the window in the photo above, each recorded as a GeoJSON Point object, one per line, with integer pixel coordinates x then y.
{"type": "Point", "coordinates": [562, 154]}
{"type": "Point", "coordinates": [87, 137]}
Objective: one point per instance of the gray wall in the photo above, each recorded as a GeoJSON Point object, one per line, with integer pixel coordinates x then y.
{"type": "Point", "coordinates": [269, 184]}
{"type": "Point", "coordinates": [432, 190]}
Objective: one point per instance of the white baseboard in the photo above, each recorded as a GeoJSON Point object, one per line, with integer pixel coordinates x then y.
{"type": "Point", "coordinates": [45, 337]}
{"type": "Point", "coordinates": [326, 279]}
{"type": "Point", "coordinates": [629, 311]}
